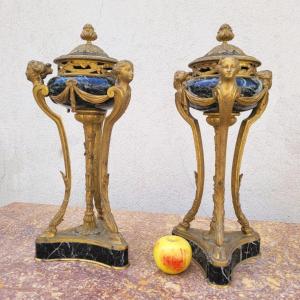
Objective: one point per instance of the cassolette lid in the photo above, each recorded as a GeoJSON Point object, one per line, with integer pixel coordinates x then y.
{"type": "Point", "coordinates": [87, 51]}
{"type": "Point", "coordinates": [224, 35]}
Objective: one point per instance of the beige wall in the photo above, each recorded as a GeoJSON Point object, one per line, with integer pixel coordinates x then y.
{"type": "Point", "coordinates": [152, 157]}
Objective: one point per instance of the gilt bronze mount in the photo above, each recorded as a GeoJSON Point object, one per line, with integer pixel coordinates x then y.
{"type": "Point", "coordinates": [223, 83]}
{"type": "Point", "coordinates": [89, 83]}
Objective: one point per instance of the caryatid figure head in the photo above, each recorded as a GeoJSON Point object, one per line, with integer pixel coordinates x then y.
{"type": "Point", "coordinates": [228, 67]}
{"type": "Point", "coordinates": [123, 71]}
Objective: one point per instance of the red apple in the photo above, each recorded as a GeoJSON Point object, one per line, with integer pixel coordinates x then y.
{"type": "Point", "coordinates": [172, 254]}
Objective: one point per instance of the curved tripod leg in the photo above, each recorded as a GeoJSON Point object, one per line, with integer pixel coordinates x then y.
{"type": "Point", "coordinates": [121, 101]}
{"type": "Point", "coordinates": [221, 122]}
{"type": "Point", "coordinates": [226, 92]}
{"type": "Point", "coordinates": [36, 72]}
{"type": "Point", "coordinates": [236, 177]}
{"type": "Point", "coordinates": [183, 109]}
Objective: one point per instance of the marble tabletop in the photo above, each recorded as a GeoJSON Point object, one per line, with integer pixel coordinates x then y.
{"type": "Point", "coordinates": [273, 275]}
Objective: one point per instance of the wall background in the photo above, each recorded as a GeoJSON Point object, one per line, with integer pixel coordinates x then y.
{"type": "Point", "coordinates": [152, 156]}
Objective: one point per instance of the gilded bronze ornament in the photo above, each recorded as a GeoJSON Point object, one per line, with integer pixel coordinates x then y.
{"type": "Point", "coordinates": [223, 83]}
{"type": "Point", "coordinates": [90, 83]}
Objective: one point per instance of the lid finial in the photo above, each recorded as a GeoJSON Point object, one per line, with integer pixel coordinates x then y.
{"type": "Point", "coordinates": [88, 33]}
{"type": "Point", "coordinates": [225, 33]}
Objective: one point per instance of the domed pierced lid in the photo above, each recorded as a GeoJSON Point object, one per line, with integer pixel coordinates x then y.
{"type": "Point", "coordinates": [88, 50]}
{"type": "Point", "coordinates": [224, 35]}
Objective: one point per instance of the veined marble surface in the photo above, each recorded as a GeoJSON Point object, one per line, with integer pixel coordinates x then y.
{"type": "Point", "coordinates": [273, 275]}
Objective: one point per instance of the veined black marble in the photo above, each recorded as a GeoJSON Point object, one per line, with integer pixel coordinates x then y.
{"type": "Point", "coordinates": [73, 250]}
{"type": "Point", "coordinates": [222, 275]}
{"type": "Point", "coordinates": [203, 87]}
{"type": "Point", "coordinates": [92, 85]}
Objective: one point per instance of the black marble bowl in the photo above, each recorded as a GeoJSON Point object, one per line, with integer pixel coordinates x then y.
{"type": "Point", "coordinates": [91, 85]}
{"type": "Point", "coordinates": [203, 87]}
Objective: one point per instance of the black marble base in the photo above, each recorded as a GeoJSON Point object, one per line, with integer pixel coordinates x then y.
{"type": "Point", "coordinates": [83, 251]}
{"type": "Point", "coordinates": [222, 275]}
